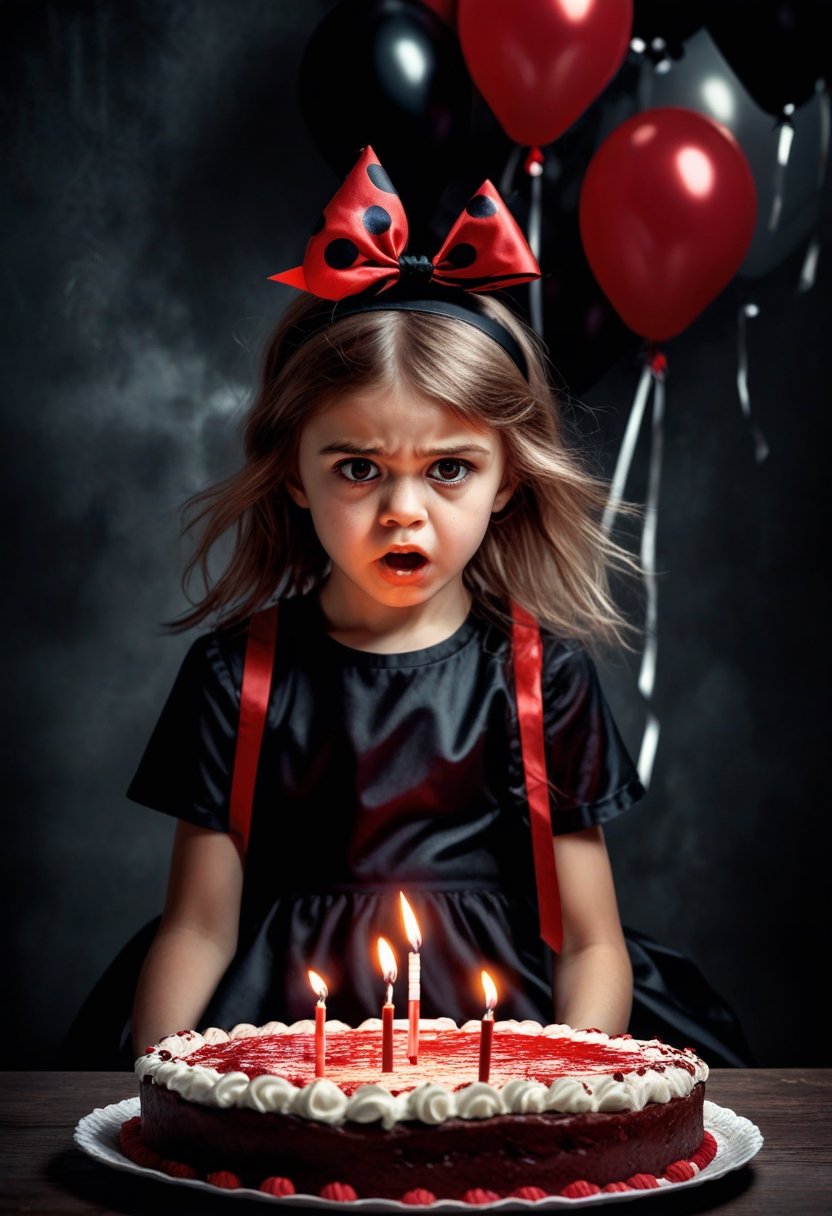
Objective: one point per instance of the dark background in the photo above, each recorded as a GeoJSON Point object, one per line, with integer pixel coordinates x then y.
{"type": "Point", "coordinates": [158, 170]}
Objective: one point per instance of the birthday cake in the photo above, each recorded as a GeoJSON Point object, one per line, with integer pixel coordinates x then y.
{"type": "Point", "coordinates": [563, 1112]}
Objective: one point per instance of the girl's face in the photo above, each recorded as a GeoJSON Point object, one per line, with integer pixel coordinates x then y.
{"type": "Point", "coordinates": [401, 492]}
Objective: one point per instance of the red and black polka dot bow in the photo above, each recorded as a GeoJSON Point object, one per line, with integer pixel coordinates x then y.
{"type": "Point", "coordinates": [360, 243]}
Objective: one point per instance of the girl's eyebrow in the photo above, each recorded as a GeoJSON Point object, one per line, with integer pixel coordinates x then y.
{"type": "Point", "coordinates": [354, 449]}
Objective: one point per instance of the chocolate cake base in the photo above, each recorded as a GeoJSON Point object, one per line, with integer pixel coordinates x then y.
{"type": "Point", "coordinates": [501, 1153]}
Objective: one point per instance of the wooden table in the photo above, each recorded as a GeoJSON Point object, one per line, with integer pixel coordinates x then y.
{"type": "Point", "coordinates": [43, 1172]}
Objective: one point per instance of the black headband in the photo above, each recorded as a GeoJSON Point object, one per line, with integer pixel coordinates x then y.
{"type": "Point", "coordinates": [459, 305]}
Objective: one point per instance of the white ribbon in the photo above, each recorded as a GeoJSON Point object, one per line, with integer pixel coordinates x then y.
{"type": "Point", "coordinates": [507, 180]}
{"type": "Point", "coordinates": [647, 675]}
{"type": "Point", "coordinates": [628, 445]}
{"type": "Point", "coordinates": [535, 224]}
{"type": "Point", "coordinates": [810, 262]}
{"type": "Point", "coordinates": [650, 379]}
{"type": "Point", "coordinates": [784, 147]}
{"type": "Point", "coordinates": [746, 313]}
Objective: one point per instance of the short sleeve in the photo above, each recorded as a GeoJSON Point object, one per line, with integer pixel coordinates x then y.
{"type": "Point", "coordinates": [591, 772]}
{"type": "Point", "coordinates": [186, 767]}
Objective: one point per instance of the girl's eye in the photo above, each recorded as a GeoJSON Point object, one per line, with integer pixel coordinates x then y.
{"type": "Point", "coordinates": [357, 469]}
{"type": "Point", "coordinates": [449, 472]}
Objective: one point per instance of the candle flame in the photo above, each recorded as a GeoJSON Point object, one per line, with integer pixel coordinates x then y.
{"type": "Point", "coordinates": [411, 925]}
{"type": "Point", "coordinates": [318, 986]}
{"type": "Point", "coordinates": [387, 959]}
{"type": "Point", "coordinates": [490, 990]}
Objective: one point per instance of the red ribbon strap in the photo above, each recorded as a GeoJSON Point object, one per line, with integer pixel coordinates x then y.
{"type": "Point", "coordinates": [361, 240]}
{"type": "Point", "coordinates": [254, 704]}
{"type": "Point", "coordinates": [527, 650]}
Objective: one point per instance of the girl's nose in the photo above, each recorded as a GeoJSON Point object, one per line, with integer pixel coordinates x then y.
{"type": "Point", "coordinates": [403, 505]}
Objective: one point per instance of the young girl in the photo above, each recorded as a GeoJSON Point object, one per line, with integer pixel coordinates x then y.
{"type": "Point", "coordinates": [410, 502]}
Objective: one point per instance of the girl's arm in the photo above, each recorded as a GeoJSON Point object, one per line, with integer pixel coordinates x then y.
{"type": "Point", "coordinates": [197, 936]}
{"type": "Point", "coordinates": [593, 978]}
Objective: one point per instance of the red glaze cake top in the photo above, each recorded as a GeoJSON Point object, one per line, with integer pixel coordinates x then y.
{"type": "Point", "coordinates": [446, 1057]}
{"type": "Point", "coordinates": [533, 1068]}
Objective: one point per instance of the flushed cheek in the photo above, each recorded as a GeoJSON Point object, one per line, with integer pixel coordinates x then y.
{"type": "Point", "coordinates": [343, 526]}
{"type": "Point", "coordinates": [461, 530]}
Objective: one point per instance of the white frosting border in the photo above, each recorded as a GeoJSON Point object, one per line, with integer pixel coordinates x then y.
{"type": "Point", "coordinates": [324, 1102]}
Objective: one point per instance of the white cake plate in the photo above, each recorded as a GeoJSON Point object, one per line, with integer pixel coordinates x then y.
{"type": "Point", "coordinates": [737, 1138]}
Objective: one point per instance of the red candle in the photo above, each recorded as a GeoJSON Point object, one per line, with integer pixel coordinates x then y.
{"type": "Point", "coordinates": [387, 1037]}
{"type": "Point", "coordinates": [487, 1026]}
{"type": "Point", "coordinates": [389, 970]}
{"type": "Point", "coordinates": [411, 927]}
{"type": "Point", "coordinates": [320, 989]}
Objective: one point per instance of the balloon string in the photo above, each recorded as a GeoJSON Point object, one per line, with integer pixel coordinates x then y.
{"type": "Point", "coordinates": [652, 377]}
{"type": "Point", "coordinates": [784, 147]}
{"type": "Point", "coordinates": [647, 751]}
{"type": "Point", "coordinates": [649, 658]}
{"type": "Point", "coordinates": [533, 166]}
{"type": "Point", "coordinates": [647, 675]}
{"type": "Point", "coordinates": [536, 285]}
{"type": "Point", "coordinates": [628, 445]}
{"type": "Point", "coordinates": [808, 271]}
{"type": "Point", "coordinates": [507, 180]}
{"type": "Point", "coordinates": [746, 313]}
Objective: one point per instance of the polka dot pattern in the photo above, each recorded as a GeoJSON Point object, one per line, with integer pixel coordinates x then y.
{"type": "Point", "coordinates": [461, 256]}
{"type": "Point", "coordinates": [380, 179]}
{"type": "Point", "coordinates": [481, 207]}
{"type": "Point", "coordinates": [340, 253]}
{"type": "Point", "coordinates": [376, 220]}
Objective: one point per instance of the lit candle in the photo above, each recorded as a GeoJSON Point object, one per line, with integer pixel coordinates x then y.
{"type": "Point", "coordinates": [320, 989]}
{"type": "Point", "coordinates": [411, 928]}
{"type": "Point", "coordinates": [487, 1025]}
{"type": "Point", "coordinates": [389, 970]}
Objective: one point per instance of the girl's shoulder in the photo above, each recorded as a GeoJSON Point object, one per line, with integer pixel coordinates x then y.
{"type": "Point", "coordinates": [558, 648]}
{"type": "Point", "coordinates": [568, 671]}
{"type": "Point", "coordinates": [215, 657]}
{"type": "Point", "coordinates": [564, 660]}
{"type": "Point", "coordinates": [223, 648]}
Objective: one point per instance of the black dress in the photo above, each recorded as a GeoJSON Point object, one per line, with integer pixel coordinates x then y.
{"type": "Point", "coordinates": [380, 773]}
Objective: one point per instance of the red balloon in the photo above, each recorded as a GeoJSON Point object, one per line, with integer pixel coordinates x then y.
{"type": "Point", "coordinates": [667, 213]}
{"type": "Point", "coordinates": [540, 63]}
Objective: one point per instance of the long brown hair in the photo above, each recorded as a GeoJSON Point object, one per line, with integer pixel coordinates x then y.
{"type": "Point", "coordinates": [546, 550]}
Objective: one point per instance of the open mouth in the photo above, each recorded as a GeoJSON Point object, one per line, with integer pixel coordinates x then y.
{"type": "Point", "coordinates": [404, 562]}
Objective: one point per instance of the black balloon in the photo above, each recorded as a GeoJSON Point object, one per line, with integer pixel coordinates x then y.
{"type": "Point", "coordinates": [388, 73]}
{"type": "Point", "coordinates": [702, 80]}
{"type": "Point", "coordinates": [583, 332]}
{"type": "Point", "coordinates": [778, 48]}
{"type": "Point", "coordinates": [672, 23]}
